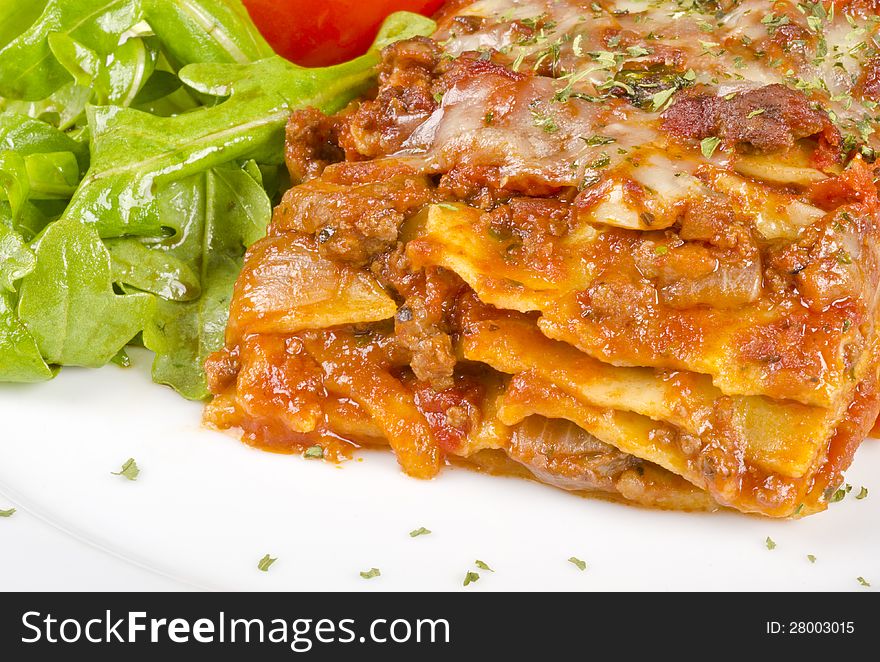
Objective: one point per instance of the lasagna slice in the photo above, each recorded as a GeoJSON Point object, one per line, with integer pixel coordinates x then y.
{"type": "Point", "coordinates": [624, 248]}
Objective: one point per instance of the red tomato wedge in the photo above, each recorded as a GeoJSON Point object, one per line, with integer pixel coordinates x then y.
{"type": "Point", "coordinates": [317, 34]}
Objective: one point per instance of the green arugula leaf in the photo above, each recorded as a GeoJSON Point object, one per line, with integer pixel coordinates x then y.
{"type": "Point", "coordinates": [80, 61]}
{"type": "Point", "coordinates": [37, 177]}
{"type": "Point", "coordinates": [7, 513]}
{"type": "Point", "coordinates": [52, 176]}
{"type": "Point", "coordinates": [127, 72]}
{"type": "Point", "coordinates": [160, 85]}
{"type": "Point", "coordinates": [37, 161]}
{"type": "Point", "coordinates": [116, 79]}
{"type": "Point", "coordinates": [16, 259]}
{"type": "Point", "coordinates": [28, 68]}
{"type": "Point", "coordinates": [224, 211]}
{"type": "Point", "coordinates": [63, 109]}
{"type": "Point", "coordinates": [30, 221]}
{"type": "Point", "coordinates": [122, 359]}
{"type": "Point", "coordinates": [14, 181]}
{"type": "Point", "coordinates": [27, 136]}
{"type": "Point", "coordinates": [134, 153]}
{"type": "Point", "coordinates": [20, 359]}
{"type": "Point", "coordinates": [69, 305]}
{"type": "Point", "coordinates": [17, 16]}
{"type": "Point", "coordinates": [206, 31]}
{"type": "Point", "coordinates": [155, 271]}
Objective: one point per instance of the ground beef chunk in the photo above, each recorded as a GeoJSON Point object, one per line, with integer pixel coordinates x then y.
{"type": "Point", "coordinates": [824, 262]}
{"type": "Point", "coordinates": [405, 100]}
{"type": "Point", "coordinates": [312, 143]}
{"type": "Point", "coordinates": [712, 220]}
{"type": "Point", "coordinates": [355, 210]}
{"type": "Point", "coordinates": [527, 227]}
{"type": "Point", "coordinates": [616, 301]}
{"type": "Point", "coordinates": [426, 319]}
{"type": "Point", "coordinates": [476, 185]}
{"type": "Point", "coordinates": [768, 119]}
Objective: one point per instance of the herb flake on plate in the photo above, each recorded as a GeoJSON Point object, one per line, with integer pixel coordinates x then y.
{"type": "Point", "coordinates": [130, 470]}
{"type": "Point", "coordinates": [265, 563]}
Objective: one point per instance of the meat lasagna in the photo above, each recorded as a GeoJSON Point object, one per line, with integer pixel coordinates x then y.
{"type": "Point", "coordinates": [627, 248]}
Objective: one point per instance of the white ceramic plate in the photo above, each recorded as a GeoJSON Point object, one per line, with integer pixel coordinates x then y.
{"type": "Point", "coordinates": [206, 509]}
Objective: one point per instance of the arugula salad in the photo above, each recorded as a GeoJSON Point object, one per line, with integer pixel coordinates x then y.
{"type": "Point", "coordinates": [141, 152]}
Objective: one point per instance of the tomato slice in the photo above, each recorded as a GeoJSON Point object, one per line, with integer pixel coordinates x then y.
{"type": "Point", "coordinates": [317, 34]}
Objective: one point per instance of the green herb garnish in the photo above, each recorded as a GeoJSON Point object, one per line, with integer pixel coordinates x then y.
{"type": "Point", "coordinates": [770, 543]}
{"type": "Point", "coordinates": [265, 563]}
{"type": "Point", "coordinates": [661, 99]}
{"type": "Point", "coordinates": [470, 578]}
{"type": "Point", "coordinates": [594, 141]}
{"type": "Point", "coordinates": [709, 145]}
{"type": "Point", "coordinates": [544, 121]}
{"type": "Point", "coordinates": [421, 531]}
{"type": "Point", "coordinates": [371, 573]}
{"type": "Point", "coordinates": [129, 470]}
{"type": "Point", "coordinates": [838, 495]}
{"type": "Point", "coordinates": [581, 565]}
